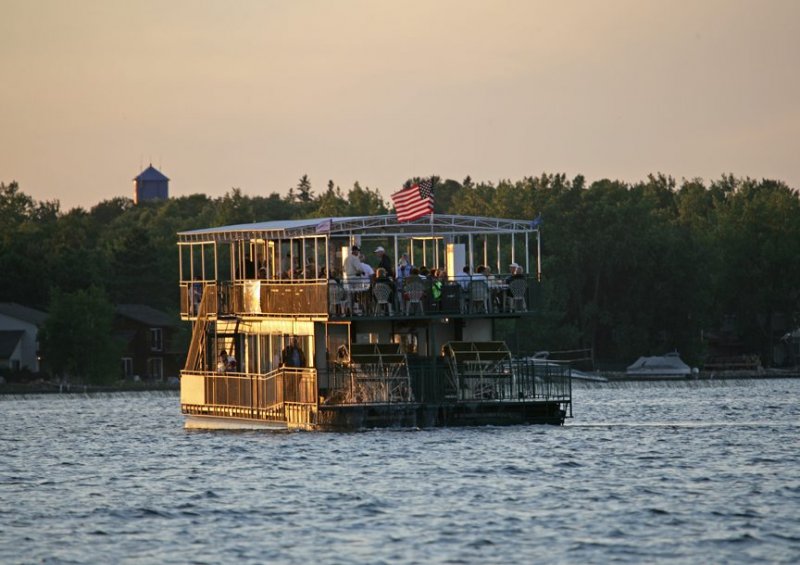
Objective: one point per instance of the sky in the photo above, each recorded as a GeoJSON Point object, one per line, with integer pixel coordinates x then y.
{"type": "Point", "coordinates": [255, 94]}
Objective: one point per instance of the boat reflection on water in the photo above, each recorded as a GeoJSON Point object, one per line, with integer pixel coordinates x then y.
{"type": "Point", "coordinates": [542, 359]}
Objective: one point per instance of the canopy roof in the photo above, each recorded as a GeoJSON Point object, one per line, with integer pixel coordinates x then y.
{"type": "Point", "coordinates": [381, 226]}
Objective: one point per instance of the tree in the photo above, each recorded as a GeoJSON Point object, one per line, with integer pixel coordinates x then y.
{"type": "Point", "coordinates": [331, 204]}
{"type": "Point", "coordinates": [758, 236]}
{"type": "Point", "coordinates": [364, 201]}
{"type": "Point", "coordinates": [304, 189]}
{"type": "Point", "coordinates": [138, 268]}
{"type": "Point", "coordinates": [445, 193]}
{"type": "Point", "coordinates": [76, 338]}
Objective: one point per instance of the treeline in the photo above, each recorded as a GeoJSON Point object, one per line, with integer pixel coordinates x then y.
{"type": "Point", "coordinates": [628, 269]}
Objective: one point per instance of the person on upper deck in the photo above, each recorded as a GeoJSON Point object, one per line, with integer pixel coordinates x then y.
{"type": "Point", "coordinates": [438, 276]}
{"type": "Point", "coordinates": [197, 294]}
{"type": "Point", "coordinates": [352, 265]}
{"type": "Point", "coordinates": [366, 268]}
{"type": "Point", "coordinates": [516, 272]}
{"type": "Point", "coordinates": [381, 276]}
{"type": "Point", "coordinates": [463, 279]}
{"type": "Point", "coordinates": [384, 261]}
{"type": "Point", "coordinates": [414, 276]}
{"type": "Point", "coordinates": [286, 265]}
{"type": "Point", "coordinates": [480, 274]}
{"type": "Point", "coordinates": [403, 268]}
{"type": "Point", "coordinates": [487, 271]}
{"type": "Point", "coordinates": [310, 270]}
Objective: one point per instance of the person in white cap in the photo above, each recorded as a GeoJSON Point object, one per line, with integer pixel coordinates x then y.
{"type": "Point", "coordinates": [383, 261]}
{"type": "Point", "coordinates": [516, 272]}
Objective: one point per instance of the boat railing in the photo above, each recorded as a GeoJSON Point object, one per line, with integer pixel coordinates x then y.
{"type": "Point", "coordinates": [430, 381]}
{"type": "Point", "coordinates": [369, 383]}
{"type": "Point", "coordinates": [266, 397]}
{"type": "Point", "coordinates": [360, 296]}
{"type": "Point", "coordinates": [247, 297]}
{"type": "Point", "coordinates": [445, 296]}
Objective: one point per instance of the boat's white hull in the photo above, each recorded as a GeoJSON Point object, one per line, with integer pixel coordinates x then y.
{"type": "Point", "coordinates": [669, 366]}
{"type": "Point", "coordinates": [194, 422]}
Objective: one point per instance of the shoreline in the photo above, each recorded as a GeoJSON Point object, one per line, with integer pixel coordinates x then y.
{"type": "Point", "coordinates": [52, 388]}
{"type": "Point", "coordinates": [762, 374]}
{"type": "Point", "coordinates": [7, 389]}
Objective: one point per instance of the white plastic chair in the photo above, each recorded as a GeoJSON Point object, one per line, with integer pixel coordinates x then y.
{"type": "Point", "coordinates": [338, 304]}
{"type": "Point", "coordinates": [517, 289]}
{"type": "Point", "coordinates": [415, 293]}
{"type": "Point", "coordinates": [478, 297]}
{"type": "Point", "coordinates": [383, 297]}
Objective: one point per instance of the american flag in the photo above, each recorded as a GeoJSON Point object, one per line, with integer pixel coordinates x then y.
{"type": "Point", "coordinates": [414, 202]}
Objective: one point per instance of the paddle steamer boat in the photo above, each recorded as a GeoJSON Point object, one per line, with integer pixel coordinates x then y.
{"type": "Point", "coordinates": [413, 352]}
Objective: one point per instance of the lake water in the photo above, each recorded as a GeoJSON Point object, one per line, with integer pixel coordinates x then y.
{"type": "Point", "coordinates": [685, 472]}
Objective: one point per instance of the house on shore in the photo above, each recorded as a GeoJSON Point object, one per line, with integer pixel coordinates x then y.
{"type": "Point", "coordinates": [147, 335]}
{"type": "Point", "coordinates": [19, 337]}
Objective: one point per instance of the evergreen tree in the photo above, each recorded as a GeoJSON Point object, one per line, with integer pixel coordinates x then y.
{"type": "Point", "coordinates": [304, 190]}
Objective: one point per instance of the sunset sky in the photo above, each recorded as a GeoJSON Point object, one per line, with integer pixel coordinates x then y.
{"type": "Point", "coordinates": [255, 94]}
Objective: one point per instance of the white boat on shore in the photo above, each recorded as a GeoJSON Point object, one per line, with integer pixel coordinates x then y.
{"type": "Point", "coordinates": [669, 366]}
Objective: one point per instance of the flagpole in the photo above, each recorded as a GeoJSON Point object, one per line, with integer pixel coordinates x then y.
{"type": "Point", "coordinates": [539, 253]}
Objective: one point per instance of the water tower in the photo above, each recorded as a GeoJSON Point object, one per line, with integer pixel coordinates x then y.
{"type": "Point", "coordinates": [151, 184]}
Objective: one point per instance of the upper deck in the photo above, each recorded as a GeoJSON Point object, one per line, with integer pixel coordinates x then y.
{"type": "Point", "coordinates": [296, 267]}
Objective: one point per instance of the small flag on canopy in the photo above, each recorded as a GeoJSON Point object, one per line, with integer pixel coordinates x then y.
{"type": "Point", "coordinates": [537, 221]}
{"type": "Point", "coordinates": [324, 226]}
{"type": "Point", "coordinates": [414, 202]}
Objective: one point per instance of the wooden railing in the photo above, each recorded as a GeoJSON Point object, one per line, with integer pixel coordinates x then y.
{"type": "Point", "coordinates": [283, 395]}
{"type": "Point", "coordinates": [261, 297]}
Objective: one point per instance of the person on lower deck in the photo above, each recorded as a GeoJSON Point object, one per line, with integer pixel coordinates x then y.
{"type": "Point", "coordinates": [293, 356]}
{"type": "Point", "coordinates": [222, 366]}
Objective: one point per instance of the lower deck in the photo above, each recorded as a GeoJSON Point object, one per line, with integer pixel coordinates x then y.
{"type": "Point", "coordinates": [379, 394]}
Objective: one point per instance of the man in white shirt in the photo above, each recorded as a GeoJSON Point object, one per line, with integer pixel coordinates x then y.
{"type": "Point", "coordinates": [352, 265]}
{"type": "Point", "coordinates": [366, 268]}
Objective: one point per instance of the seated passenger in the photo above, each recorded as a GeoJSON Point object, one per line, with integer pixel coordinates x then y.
{"type": "Point", "coordinates": [516, 272]}
{"type": "Point", "coordinates": [381, 276]}
{"type": "Point", "coordinates": [463, 279]}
